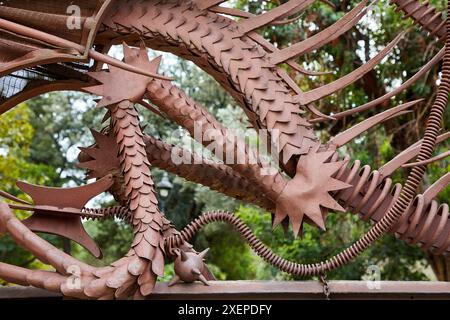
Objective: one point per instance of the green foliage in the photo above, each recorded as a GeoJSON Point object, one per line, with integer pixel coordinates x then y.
{"type": "Point", "coordinates": [16, 134]}
{"type": "Point", "coordinates": [227, 251]}
{"type": "Point", "coordinates": [113, 237]}
{"type": "Point", "coordinates": [61, 123]}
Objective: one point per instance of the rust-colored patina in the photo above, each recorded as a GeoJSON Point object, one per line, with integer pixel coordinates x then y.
{"type": "Point", "coordinates": [310, 179]}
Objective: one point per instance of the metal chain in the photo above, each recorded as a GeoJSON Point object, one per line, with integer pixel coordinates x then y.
{"type": "Point", "coordinates": [326, 287]}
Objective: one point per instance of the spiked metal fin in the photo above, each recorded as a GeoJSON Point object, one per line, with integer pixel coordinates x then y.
{"type": "Point", "coordinates": [428, 161]}
{"type": "Point", "coordinates": [371, 104]}
{"type": "Point", "coordinates": [349, 134]}
{"type": "Point", "coordinates": [406, 155]}
{"type": "Point", "coordinates": [346, 80]}
{"type": "Point", "coordinates": [49, 216]}
{"type": "Point", "coordinates": [437, 187]}
{"type": "Point", "coordinates": [206, 4]}
{"type": "Point", "coordinates": [285, 10]}
{"type": "Point", "coordinates": [318, 40]}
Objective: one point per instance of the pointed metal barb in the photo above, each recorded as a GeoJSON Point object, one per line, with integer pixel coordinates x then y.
{"type": "Point", "coordinates": [331, 33]}
{"type": "Point", "coordinates": [151, 108]}
{"type": "Point", "coordinates": [242, 14]}
{"type": "Point", "coordinates": [318, 113]}
{"type": "Point", "coordinates": [124, 66]}
{"type": "Point", "coordinates": [406, 155]}
{"type": "Point", "coordinates": [203, 279]}
{"type": "Point", "coordinates": [329, 3]}
{"type": "Point", "coordinates": [439, 185]}
{"type": "Point", "coordinates": [206, 4]}
{"type": "Point", "coordinates": [174, 281]}
{"type": "Point", "coordinates": [285, 10]}
{"type": "Point", "coordinates": [231, 12]}
{"type": "Point", "coordinates": [285, 21]}
{"type": "Point", "coordinates": [203, 253]}
{"type": "Point", "coordinates": [350, 134]}
{"type": "Point", "coordinates": [294, 65]}
{"type": "Point", "coordinates": [6, 195]}
{"type": "Point", "coordinates": [348, 79]}
{"type": "Point", "coordinates": [196, 271]}
{"type": "Point", "coordinates": [380, 100]}
{"type": "Point", "coordinates": [183, 256]}
{"type": "Point", "coordinates": [428, 161]}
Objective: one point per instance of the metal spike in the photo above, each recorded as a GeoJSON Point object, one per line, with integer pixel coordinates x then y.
{"type": "Point", "coordinates": [430, 64]}
{"type": "Point", "coordinates": [232, 12]}
{"type": "Point", "coordinates": [329, 3]}
{"type": "Point", "coordinates": [119, 64]}
{"type": "Point", "coordinates": [294, 65]}
{"type": "Point", "coordinates": [151, 108]}
{"type": "Point", "coordinates": [318, 113]}
{"type": "Point", "coordinates": [6, 195]}
{"type": "Point", "coordinates": [334, 31]}
{"type": "Point", "coordinates": [285, 21]}
{"type": "Point", "coordinates": [346, 80]}
{"type": "Point", "coordinates": [203, 279]}
{"type": "Point", "coordinates": [406, 155]}
{"type": "Point", "coordinates": [242, 14]}
{"type": "Point", "coordinates": [285, 10]}
{"type": "Point", "coordinates": [106, 116]}
{"type": "Point", "coordinates": [196, 271]}
{"type": "Point", "coordinates": [203, 253]}
{"type": "Point", "coordinates": [428, 161]}
{"type": "Point", "coordinates": [174, 281]}
{"type": "Point", "coordinates": [206, 4]}
{"type": "Point", "coordinates": [349, 134]}
{"type": "Point", "coordinates": [437, 187]}
{"type": "Point", "coordinates": [184, 256]}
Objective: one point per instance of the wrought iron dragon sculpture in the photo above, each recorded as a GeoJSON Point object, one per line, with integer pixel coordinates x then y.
{"type": "Point", "coordinates": [312, 178]}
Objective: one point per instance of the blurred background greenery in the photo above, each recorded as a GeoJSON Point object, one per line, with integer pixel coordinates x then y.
{"type": "Point", "coordinates": [39, 141]}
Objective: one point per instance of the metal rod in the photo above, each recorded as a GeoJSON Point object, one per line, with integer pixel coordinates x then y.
{"type": "Point", "coordinates": [60, 42]}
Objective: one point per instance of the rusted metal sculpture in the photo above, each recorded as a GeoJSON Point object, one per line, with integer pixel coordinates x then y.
{"type": "Point", "coordinates": [312, 178]}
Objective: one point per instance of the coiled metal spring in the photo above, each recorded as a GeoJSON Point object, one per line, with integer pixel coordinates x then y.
{"type": "Point", "coordinates": [257, 246]}
{"type": "Point", "coordinates": [118, 212]}
{"type": "Point", "coordinates": [421, 228]}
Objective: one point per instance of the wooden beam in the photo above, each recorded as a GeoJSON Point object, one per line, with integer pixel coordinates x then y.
{"type": "Point", "coordinates": [245, 290]}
